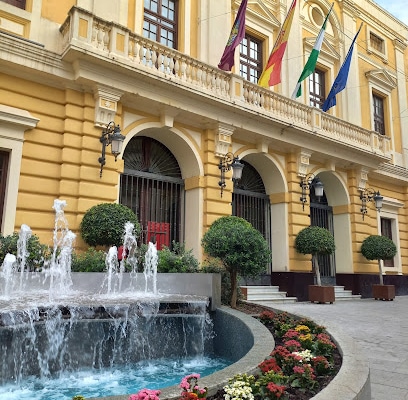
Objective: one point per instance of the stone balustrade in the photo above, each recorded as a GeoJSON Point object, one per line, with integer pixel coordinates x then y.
{"type": "Point", "coordinates": [85, 32]}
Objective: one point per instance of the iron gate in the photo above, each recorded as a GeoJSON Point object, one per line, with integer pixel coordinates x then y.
{"type": "Point", "coordinates": [321, 214]}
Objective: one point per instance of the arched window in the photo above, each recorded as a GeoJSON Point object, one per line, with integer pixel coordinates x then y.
{"type": "Point", "coordinates": [152, 187]}
{"type": "Point", "coordinates": [250, 201]}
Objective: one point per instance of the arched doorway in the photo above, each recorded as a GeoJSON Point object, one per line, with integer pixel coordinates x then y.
{"type": "Point", "coordinates": [250, 201]}
{"type": "Point", "coordinates": [152, 186]}
{"type": "Point", "coordinates": [321, 214]}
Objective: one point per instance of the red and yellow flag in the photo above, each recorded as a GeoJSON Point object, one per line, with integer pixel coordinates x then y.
{"type": "Point", "coordinates": [271, 75]}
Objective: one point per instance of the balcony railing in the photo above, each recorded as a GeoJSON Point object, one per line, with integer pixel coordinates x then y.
{"type": "Point", "coordinates": [85, 32]}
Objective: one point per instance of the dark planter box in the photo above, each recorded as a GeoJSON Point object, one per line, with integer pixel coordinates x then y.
{"type": "Point", "coordinates": [384, 292]}
{"type": "Point", "coordinates": [321, 294]}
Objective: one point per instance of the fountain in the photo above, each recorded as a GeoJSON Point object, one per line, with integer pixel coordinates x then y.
{"type": "Point", "coordinates": [58, 326]}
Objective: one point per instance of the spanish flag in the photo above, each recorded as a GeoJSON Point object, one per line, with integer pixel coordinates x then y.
{"type": "Point", "coordinates": [271, 75]}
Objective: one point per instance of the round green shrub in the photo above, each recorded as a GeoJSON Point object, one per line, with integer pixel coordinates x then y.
{"type": "Point", "coordinates": [314, 240]}
{"type": "Point", "coordinates": [104, 224]}
{"type": "Point", "coordinates": [38, 253]}
{"type": "Point", "coordinates": [376, 247]}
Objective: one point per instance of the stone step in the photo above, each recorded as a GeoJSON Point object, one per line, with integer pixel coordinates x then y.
{"type": "Point", "coordinates": [341, 294]}
{"type": "Point", "coordinates": [271, 294]}
{"type": "Point", "coordinates": [265, 294]}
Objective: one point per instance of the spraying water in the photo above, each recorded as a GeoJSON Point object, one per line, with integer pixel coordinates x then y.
{"type": "Point", "coordinates": [60, 266]}
{"type": "Point", "coordinates": [71, 332]}
{"type": "Point", "coordinates": [7, 272]}
{"type": "Point", "coordinates": [22, 251]}
{"type": "Point", "coordinates": [150, 269]}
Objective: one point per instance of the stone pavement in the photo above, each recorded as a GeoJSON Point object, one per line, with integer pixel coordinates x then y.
{"type": "Point", "coordinates": [379, 328]}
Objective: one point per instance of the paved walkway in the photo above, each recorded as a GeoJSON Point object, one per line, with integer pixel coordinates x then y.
{"type": "Point", "coordinates": [380, 328]}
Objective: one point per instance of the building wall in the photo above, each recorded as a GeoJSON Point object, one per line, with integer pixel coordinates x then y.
{"type": "Point", "coordinates": [69, 94]}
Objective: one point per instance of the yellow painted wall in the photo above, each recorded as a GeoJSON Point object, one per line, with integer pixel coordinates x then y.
{"type": "Point", "coordinates": [56, 11]}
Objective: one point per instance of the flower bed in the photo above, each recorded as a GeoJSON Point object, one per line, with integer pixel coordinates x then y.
{"type": "Point", "coordinates": [303, 362]}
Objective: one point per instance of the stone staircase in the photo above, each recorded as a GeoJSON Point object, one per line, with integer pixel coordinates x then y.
{"type": "Point", "coordinates": [271, 294]}
{"type": "Point", "coordinates": [265, 295]}
{"type": "Point", "coordinates": [341, 294]}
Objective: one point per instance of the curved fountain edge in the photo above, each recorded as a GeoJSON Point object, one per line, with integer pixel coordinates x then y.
{"type": "Point", "coordinates": [352, 382]}
{"type": "Point", "coordinates": [263, 344]}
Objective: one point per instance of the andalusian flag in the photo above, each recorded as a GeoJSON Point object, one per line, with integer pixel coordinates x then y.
{"type": "Point", "coordinates": [236, 35]}
{"type": "Point", "coordinates": [311, 62]}
{"type": "Point", "coordinates": [271, 75]}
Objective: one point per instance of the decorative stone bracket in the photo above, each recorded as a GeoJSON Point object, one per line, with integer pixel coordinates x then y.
{"type": "Point", "coordinates": [106, 105]}
{"type": "Point", "coordinates": [223, 139]}
{"type": "Point", "coordinates": [303, 163]}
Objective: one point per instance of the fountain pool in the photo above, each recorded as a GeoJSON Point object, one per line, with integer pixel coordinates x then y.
{"type": "Point", "coordinates": [58, 327]}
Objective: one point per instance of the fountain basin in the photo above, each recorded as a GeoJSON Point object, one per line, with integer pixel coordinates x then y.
{"type": "Point", "coordinates": [239, 337]}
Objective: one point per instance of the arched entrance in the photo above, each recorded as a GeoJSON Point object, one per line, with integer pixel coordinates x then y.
{"type": "Point", "coordinates": [152, 186]}
{"type": "Point", "coordinates": [250, 201]}
{"type": "Point", "coordinates": [321, 214]}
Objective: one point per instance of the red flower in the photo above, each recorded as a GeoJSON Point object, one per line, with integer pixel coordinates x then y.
{"type": "Point", "coordinates": [269, 364]}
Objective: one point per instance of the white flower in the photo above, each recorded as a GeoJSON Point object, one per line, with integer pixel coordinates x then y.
{"type": "Point", "coordinates": [306, 355]}
{"type": "Point", "coordinates": [238, 390]}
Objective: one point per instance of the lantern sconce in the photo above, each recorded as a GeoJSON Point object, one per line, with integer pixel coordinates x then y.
{"type": "Point", "coordinates": [367, 195]}
{"type": "Point", "coordinates": [110, 136]}
{"type": "Point", "coordinates": [306, 183]}
{"type": "Point", "coordinates": [228, 162]}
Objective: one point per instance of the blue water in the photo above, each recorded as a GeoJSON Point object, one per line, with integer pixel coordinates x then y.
{"type": "Point", "coordinates": [154, 374]}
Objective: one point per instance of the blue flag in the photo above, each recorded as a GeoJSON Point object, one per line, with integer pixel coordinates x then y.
{"type": "Point", "coordinates": [341, 80]}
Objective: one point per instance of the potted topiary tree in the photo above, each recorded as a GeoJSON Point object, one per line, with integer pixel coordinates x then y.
{"type": "Point", "coordinates": [377, 247]}
{"type": "Point", "coordinates": [241, 248]}
{"type": "Point", "coordinates": [316, 241]}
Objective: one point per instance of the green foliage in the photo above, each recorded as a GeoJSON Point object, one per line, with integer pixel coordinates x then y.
{"type": "Point", "coordinates": [103, 224]}
{"type": "Point", "coordinates": [91, 260]}
{"type": "Point", "coordinates": [239, 245]}
{"type": "Point", "coordinates": [177, 259]}
{"type": "Point", "coordinates": [38, 253]}
{"type": "Point", "coordinates": [376, 247]}
{"type": "Point", "coordinates": [78, 398]}
{"type": "Point", "coordinates": [314, 240]}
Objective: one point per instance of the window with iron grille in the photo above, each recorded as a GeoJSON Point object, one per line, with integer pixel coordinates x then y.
{"type": "Point", "coordinates": [4, 165]}
{"type": "Point", "coordinates": [376, 42]}
{"type": "Point", "coordinates": [18, 3]}
{"type": "Point", "coordinates": [250, 201]}
{"type": "Point", "coordinates": [379, 122]}
{"type": "Point", "coordinates": [152, 187]}
{"type": "Point", "coordinates": [250, 53]}
{"type": "Point", "coordinates": [160, 21]}
{"type": "Point", "coordinates": [317, 92]}
{"type": "Point", "coordinates": [386, 230]}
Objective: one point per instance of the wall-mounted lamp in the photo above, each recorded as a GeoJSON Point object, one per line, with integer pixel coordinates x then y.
{"type": "Point", "coordinates": [308, 182]}
{"type": "Point", "coordinates": [228, 162]}
{"type": "Point", "coordinates": [110, 136]}
{"type": "Point", "coordinates": [367, 195]}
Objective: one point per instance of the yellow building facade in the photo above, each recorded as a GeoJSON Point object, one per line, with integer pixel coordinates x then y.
{"type": "Point", "coordinates": [70, 68]}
